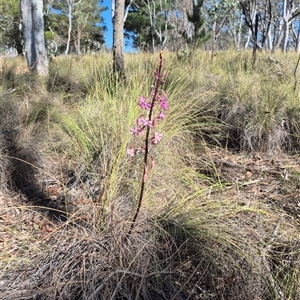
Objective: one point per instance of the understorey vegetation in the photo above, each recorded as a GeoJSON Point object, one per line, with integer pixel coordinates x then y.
{"type": "Point", "coordinates": [220, 210]}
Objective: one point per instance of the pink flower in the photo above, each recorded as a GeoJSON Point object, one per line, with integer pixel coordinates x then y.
{"type": "Point", "coordinates": [137, 131]}
{"type": "Point", "coordinates": [164, 104]}
{"type": "Point", "coordinates": [162, 97]}
{"type": "Point", "coordinates": [156, 138]}
{"type": "Point", "coordinates": [163, 101]}
{"type": "Point", "coordinates": [139, 121]}
{"type": "Point", "coordinates": [146, 122]}
{"type": "Point", "coordinates": [161, 115]}
{"type": "Point", "coordinates": [143, 122]}
{"type": "Point", "coordinates": [143, 103]}
{"type": "Point", "coordinates": [142, 131]}
{"type": "Point", "coordinates": [131, 152]}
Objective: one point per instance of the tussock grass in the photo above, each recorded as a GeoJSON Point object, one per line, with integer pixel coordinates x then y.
{"type": "Point", "coordinates": [254, 104]}
{"type": "Point", "coordinates": [198, 236]}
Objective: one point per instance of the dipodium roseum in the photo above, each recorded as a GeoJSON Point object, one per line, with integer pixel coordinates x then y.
{"type": "Point", "coordinates": [131, 152]}
{"type": "Point", "coordinates": [161, 115]}
{"type": "Point", "coordinates": [144, 104]}
{"type": "Point", "coordinates": [153, 109]}
{"type": "Point", "coordinates": [156, 138]}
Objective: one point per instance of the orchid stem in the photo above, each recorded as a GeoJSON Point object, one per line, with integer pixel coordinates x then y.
{"type": "Point", "coordinates": [158, 83]}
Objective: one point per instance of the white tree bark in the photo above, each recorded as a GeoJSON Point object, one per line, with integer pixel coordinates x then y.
{"type": "Point", "coordinates": [270, 41]}
{"type": "Point", "coordinates": [71, 4]}
{"type": "Point", "coordinates": [33, 35]}
{"type": "Point", "coordinates": [289, 12]}
{"type": "Point", "coordinates": [286, 24]}
{"type": "Point", "coordinates": [162, 31]}
{"type": "Point", "coordinates": [127, 10]}
{"type": "Point", "coordinates": [70, 7]}
{"type": "Point", "coordinates": [113, 8]}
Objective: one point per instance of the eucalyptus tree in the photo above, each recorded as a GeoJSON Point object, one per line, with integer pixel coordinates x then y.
{"type": "Point", "coordinates": [118, 10]}
{"type": "Point", "coordinates": [158, 12]}
{"type": "Point", "coordinates": [289, 11]}
{"type": "Point", "coordinates": [137, 26]}
{"type": "Point", "coordinates": [86, 15]}
{"type": "Point", "coordinates": [180, 29]}
{"type": "Point", "coordinates": [33, 35]}
{"type": "Point", "coordinates": [67, 7]}
{"type": "Point", "coordinates": [77, 21]}
{"type": "Point", "coordinates": [259, 17]}
{"type": "Point", "coordinates": [10, 20]}
{"type": "Point", "coordinates": [224, 14]}
{"type": "Point", "coordinates": [159, 24]}
{"type": "Point", "coordinates": [271, 23]}
{"type": "Point", "coordinates": [148, 23]}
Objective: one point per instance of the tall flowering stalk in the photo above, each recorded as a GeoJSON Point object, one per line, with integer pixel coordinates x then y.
{"type": "Point", "coordinates": [153, 110]}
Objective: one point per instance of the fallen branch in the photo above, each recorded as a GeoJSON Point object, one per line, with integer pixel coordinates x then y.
{"type": "Point", "coordinates": [228, 164]}
{"type": "Point", "coordinates": [246, 183]}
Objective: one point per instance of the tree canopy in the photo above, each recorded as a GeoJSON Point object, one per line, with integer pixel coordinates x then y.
{"type": "Point", "coordinates": [159, 24]}
{"type": "Point", "coordinates": [87, 31]}
{"type": "Point", "coordinates": [76, 26]}
{"type": "Point", "coordinates": [179, 24]}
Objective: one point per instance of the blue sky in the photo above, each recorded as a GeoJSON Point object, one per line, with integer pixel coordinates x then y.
{"type": "Point", "coordinates": [108, 22]}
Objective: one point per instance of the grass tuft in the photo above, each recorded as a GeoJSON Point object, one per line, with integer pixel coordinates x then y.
{"type": "Point", "coordinates": [220, 217]}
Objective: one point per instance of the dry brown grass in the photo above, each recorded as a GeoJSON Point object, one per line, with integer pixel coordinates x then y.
{"type": "Point", "coordinates": [215, 224]}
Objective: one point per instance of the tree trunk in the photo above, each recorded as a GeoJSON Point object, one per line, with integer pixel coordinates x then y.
{"type": "Point", "coordinates": [237, 34]}
{"type": "Point", "coordinates": [118, 37]}
{"type": "Point", "coordinates": [279, 40]}
{"type": "Point", "coordinates": [33, 35]}
{"type": "Point", "coordinates": [213, 41]}
{"type": "Point", "coordinates": [298, 42]}
{"type": "Point", "coordinates": [270, 41]}
{"type": "Point", "coordinates": [70, 27]}
{"type": "Point", "coordinates": [153, 40]}
{"type": "Point", "coordinates": [285, 25]}
{"type": "Point", "coordinates": [78, 40]}
{"type": "Point", "coordinates": [285, 36]}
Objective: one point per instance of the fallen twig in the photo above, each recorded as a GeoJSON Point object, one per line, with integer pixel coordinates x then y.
{"type": "Point", "coordinates": [8, 92]}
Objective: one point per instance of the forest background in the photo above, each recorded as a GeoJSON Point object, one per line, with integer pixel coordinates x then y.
{"type": "Point", "coordinates": [161, 24]}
